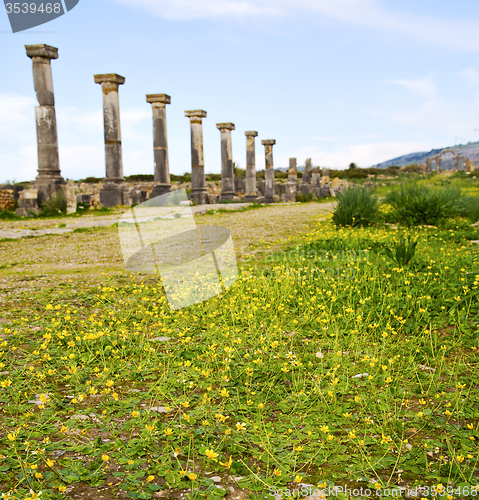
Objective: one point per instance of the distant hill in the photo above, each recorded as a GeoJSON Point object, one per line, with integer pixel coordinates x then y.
{"type": "Point", "coordinates": [469, 150]}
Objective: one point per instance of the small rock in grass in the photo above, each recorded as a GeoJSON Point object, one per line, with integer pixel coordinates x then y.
{"type": "Point", "coordinates": [159, 409]}
{"type": "Point", "coordinates": [427, 368]}
{"type": "Point", "coordinates": [361, 375]}
{"type": "Point", "coordinates": [216, 479]}
{"type": "Point", "coordinates": [319, 355]}
{"type": "Point", "coordinates": [159, 339]}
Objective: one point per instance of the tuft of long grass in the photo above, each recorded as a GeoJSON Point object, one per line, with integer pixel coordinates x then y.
{"type": "Point", "coordinates": [356, 207]}
{"type": "Point", "coordinates": [415, 204]}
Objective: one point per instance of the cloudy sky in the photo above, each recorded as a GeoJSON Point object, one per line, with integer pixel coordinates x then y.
{"type": "Point", "coordinates": [339, 81]}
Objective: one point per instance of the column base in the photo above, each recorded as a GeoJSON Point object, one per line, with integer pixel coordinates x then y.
{"type": "Point", "coordinates": [48, 187]}
{"type": "Point", "coordinates": [268, 199]}
{"type": "Point", "coordinates": [305, 189]}
{"type": "Point", "coordinates": [160, 189]}
{"type": "Point", "coordinates": [111, 195]}
{"type": "Point", "coordinates": [251, 198]}
{"type": "Point", "coordinates": [199, 197]}
{"type": "Point", "coordinates": [227, 197]}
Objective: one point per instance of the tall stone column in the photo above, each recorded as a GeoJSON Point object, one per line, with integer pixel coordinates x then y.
{"type": "Point", "coordinates": [269, 170]}
{"type": "Point", "coordinates": [111, 193]}
{"type": "Point", "coordinates": [160, 143]}
{"type": "Point", "coordinates": [227, 169]}
{"type": "Point", "coordinates": [326, 177]}
{"type": "Point", "coordinates": [428, 165]}
{"type": "Point", "coordinates": [306, 181]}
{"type": "Point", "coordinates": [251, 193]}
{"type": "Point", "coordinates": [49, 180]}
{"type": "Point", "coordinates": [456, 163]}
{"type": "Point", "coordinates": [292, 184]}
{"type": "Point", "coordinates": [316, 182]}
{"type": "Point", "coordinates": [198, 182]}
{"type": "Point", "coordinates": [438, 164]}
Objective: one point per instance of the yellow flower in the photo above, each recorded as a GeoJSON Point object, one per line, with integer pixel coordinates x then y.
{"type": "Point", "coordinates": [11, 437]}
{"type": "Point", "coordinates": [50, 462]}
{"type": "Point", "coordinates": [298, 479]}
{"type": "Point", "coordinates": [228, 463]}
{"type": "Point", "coordinates": [240, 427]}
{"type": "Point", "coordinates": [324, 429]}
{"type": "Point", "coordinates": [459, 459]}
{"type": "Point", "coordinates": [149, 428]}
{"type": "Point", "coordinates": [149, 479]}
{"type": "Point", "coordinates": [49, 307]}
{"type": "Point", "coordinates": [135, 414]}
{"type": "Point", "coordinates": [377, 486]}
{"type": "Point", "coordinates": [105, 458]}
{"type": "Point", "coordinates": [224, 393]}
{"type": "Point", "coordinates": [211, 454]}
{"type": "Point", "coordinates": [277, 472]}
{"type": "Point", "coordinates": [357, 399]}
{"type": "Point", "coordinates": [168, 432]}
{"type": "Point", "coordinates": [330, 437]}
{"type": "Point", "coordinates": [192, 476]}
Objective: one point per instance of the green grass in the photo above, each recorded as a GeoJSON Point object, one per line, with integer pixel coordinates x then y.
{"type": "Point", "coordinates": [324, 364]}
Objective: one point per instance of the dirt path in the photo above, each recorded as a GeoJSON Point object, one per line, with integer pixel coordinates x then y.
{"type": "Point", "coordinates": [94, 248]}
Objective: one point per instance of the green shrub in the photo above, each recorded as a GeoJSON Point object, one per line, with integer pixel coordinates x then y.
{"type": "Point", "coordinates": [471, 208]}
{"type": "Point", "coordinates": [55, 206]}
{"type": "Point", "coordinates": [303, 198]}
{"type": "Point", "coordinates": [422, 205]}
{"type": "Point", "coordinates": [356, 207]}
{"type": "Point", "coordinates": [402, 253]}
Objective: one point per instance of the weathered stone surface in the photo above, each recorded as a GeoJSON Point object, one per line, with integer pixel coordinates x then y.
{"type": "Point", "coordinates": [305, 187]}
{"type": "Point", "coordinates": [250, 188]}
{"type": "Point", "coordinates": [227, 169]}
{"type": "Point", "coordinates": [111, 194]}
{"type": "Point", "coordinates": [292, 184]}
{"type": "Point", "coordinates": [7, 199]}
{"type": "Point", "coordinates": [160, 143]}
{"type": "Point", "coordinates": [198, 182]}
{"type": "Point", "coordinates": [49, 180]}
{"type": "Point", "coordinates": [269, 191]}
{"type": "Point", "coordinates": [27, 202]}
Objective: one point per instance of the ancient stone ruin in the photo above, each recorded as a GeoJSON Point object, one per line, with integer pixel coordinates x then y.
{"type": "Point", "coordinates": [113, 190]}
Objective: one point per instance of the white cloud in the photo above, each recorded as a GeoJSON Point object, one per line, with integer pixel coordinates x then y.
{"type": "Point", "coordinates": [442, 117]}
{"type": "Point", "coordinates": [470, 75]}
{"type": "Point", "coordinates": [422, 87]}
{"type": "Point", "coordinates": [462, 34]}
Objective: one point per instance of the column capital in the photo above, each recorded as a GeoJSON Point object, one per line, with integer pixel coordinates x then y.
{"type": "Point", "coordinates": [225, 126]}
{"type": "Point", "coordinates": [195, 113]}
{"type": "Point", "coordinates": [268, 142]}
{"type": "Point", "coordinates": [42, 50]}
{"type": "Point", "coordinates": [251, 133]}
{"type": "Point", "coordinates": [110, 78]}
{"type": "Point", "coordinates": [158, 98]}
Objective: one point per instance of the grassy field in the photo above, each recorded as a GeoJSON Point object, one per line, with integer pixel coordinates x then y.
{"type": "Point", "coordinates": [325, 365]}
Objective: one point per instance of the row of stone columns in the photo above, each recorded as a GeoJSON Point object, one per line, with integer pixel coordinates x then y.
{"type": "Point", "coordinates": [49, 179]}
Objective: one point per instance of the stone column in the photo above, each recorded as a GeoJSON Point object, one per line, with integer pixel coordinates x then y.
{"type": "Point", "coordinates": [227, 169]}
{"type": "Point", "coordinates": [49, 180]}
{"type": "Point", "coordinates": [305, 187]}
{"type": "Point", "coordinates": [269, 170]}
{"type": "Point", "coordinates": [251, 193]}
{"type": "Point", "coordinates": [456, 163]}
{"type": "Point", "coordinates": [428, 165]}
{"type": "Point", "coordinates": [198, 182]}
{"type": "Point", "coordinates": [292, 184]}
{"type": "Point", "coordinates": [111, 193]}
{"type": "Point", "coordinates": [160, 143]}
{"type": "Point", "coordinates": [438, 164]}
{"type": "Point", "coordinates": [316, 182]}
{"type": "Point", "coordinates": [326, 178]}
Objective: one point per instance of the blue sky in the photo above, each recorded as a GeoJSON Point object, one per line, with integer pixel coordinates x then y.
{"type": "Point", "coordinates": [335, 80]}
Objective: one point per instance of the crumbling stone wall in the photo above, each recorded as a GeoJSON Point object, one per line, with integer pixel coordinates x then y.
{"type": "Point", "coordinates": [7, 199]}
